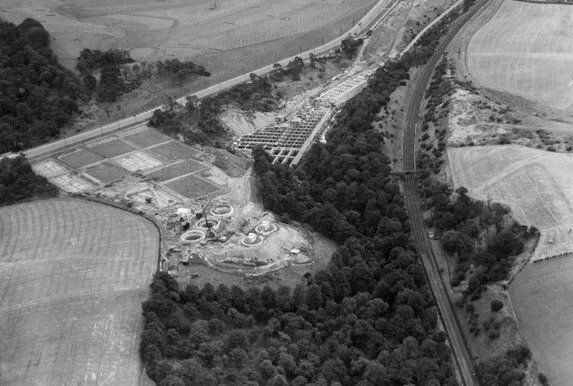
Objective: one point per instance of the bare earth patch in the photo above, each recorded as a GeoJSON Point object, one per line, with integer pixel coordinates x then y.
{"type": "Point", "coordinates": [73, 275]}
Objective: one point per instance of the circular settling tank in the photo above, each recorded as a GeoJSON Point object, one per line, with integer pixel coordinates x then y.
{"type": "Point", "coordinates": [213, 223]}
{"type": "Point", "coordinates": [222, 210]}
{"type": "Point", "coordinates": [252, 239]}
{"type": "Point", "coordinates": [266, 228]}
{"type": "Point", "coordinates": [193, 236]}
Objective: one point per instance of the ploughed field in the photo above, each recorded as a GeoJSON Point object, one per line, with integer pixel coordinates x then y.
{"type": "Point", "coordinates": [73, 275]}
{"type": "Point", "coordinates": [526, 49]}
{"type": "Point", "coordinates": [226, 36]}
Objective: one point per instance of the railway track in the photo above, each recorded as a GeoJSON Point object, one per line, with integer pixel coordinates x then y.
{"type": "Point", "coordinates": [461, 353]}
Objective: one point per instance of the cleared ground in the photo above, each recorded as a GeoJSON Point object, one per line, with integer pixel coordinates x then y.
{"type": "Point", "coordinates": [73, 275]}
{"type": "Point", "coordinates": [542, 298]}
{"type": "Point", "coordinates": [526, 49]}
{"type": "Point", "coordinates": [536, 185]}
{"type": "Point", "coordinates": [249, 32]}
{"type": "Point", "coordinates": [192, 186]}
{"type": "Point", "coordinates": [174, 151]}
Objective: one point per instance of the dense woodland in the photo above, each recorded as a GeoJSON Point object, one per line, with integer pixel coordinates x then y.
{"type": "Point", "coordinates": [37, 95]}
{"type": "Point", "coordinates": [19, 182]}
{"type": "Point", "coordinates": [369, 319]}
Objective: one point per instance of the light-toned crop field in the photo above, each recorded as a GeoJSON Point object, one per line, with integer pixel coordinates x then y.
{"type": "Point", "coordinates": [73, 275]}
{"type": "Point", "coordinates": [535, 184]}
{"type": "Point", "coordinates": [526, 49]}
{"type": "Point", "coordinates": [236, 34]}
{"type": "Point", "coordinates": [542, 298]}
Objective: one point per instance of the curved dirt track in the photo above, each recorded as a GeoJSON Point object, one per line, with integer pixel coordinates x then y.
{"type": "Point", "coordinates": [73, 275]}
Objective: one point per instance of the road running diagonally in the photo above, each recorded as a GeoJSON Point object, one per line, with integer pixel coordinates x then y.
{"type": "Point", "coordinates": [459, 346]}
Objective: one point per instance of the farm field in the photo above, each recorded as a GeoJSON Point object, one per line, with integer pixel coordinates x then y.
{"type": "Point", "coordinates": [73, 275]}
{"type": "Point", "coordinates": [541, 296]}
{"type": "Point", "coordinates": [250, 32]}
{"type": "Point", "coordinates": [526, 49]}
{"type": "Point", "coordinates": [535, 184]}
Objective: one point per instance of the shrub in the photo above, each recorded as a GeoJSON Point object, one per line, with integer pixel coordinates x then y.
{"type": "Point", "coordinates": [496, 305]}
{"type": "Point", "coordinates": [543, 379]}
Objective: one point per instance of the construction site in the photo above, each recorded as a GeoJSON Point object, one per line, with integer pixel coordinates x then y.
{"type": "Point", "coordinates": [291, 135]}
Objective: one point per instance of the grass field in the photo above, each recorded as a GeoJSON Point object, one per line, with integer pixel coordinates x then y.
{"type": "Point", "coordinates": [107, 172]}
{"type": "Point", "coordinates": [535, 184]}
{"type": "Point", "coordinates": [111, 147]}
{"type": "Point", "coordinates": [147, 137]}
{"type": "Point", "coordinates": [174, 151]}
{"type": "Point", "coordinates": [73, 275]}
{"type": "Point", "coordinates": [249, 32]}
{"type": "Point", "coordinates": [526, 49]}
{"type": "Point", "coordinates": [80, 157]}
{"type": "Point", "coordinates": [192, 186]}
{"type": "Point", "coordinates": [176, 170]}
{"type": "Point", "coordinates": [542, 298]}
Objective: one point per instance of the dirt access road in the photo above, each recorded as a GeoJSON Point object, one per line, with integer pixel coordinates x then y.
{"type": "Point", "coordinates": [461, 353]}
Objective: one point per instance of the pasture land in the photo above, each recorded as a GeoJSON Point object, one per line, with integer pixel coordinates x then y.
{"type": "Point", "coordinates": [193, 186]}
{"type": "Point", "coordinates": [252, 32]}
{"type": "Point", "coordinates": [146, 138]}
{"type": "Point", "coordinates": [107, 172]}
{"type": "Point", "coordinates": [73, 275]}
{"type": "Point", "coordinates": [176, 170]}
{"type": "Point", "coordinates": [542, 300]}
{"type": "Point", "coordinates": [80, 157]}
{"type": "Point", "coordinates": [111, 147]}
{"type": "Point", "coordinates": [526, 49]}
{"type": "Point", "coordinates": [536, 185]}
{"type": "Point", "coordinates": [174, 151]}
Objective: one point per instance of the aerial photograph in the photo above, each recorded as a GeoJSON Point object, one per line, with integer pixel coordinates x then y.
{"type": "Point", "coordinates": [286, 192]}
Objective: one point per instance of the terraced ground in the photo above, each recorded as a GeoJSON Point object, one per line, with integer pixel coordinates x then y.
{"type": "Point", "coordinates": [73, 275]}
{"type": "Point", "coordinates": [526, 49]}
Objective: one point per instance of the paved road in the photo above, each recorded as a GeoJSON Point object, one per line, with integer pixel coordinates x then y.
{"type": "Point", "coordinates": [380, 10]}
{"type": "Point", "coordinates": [459, 346]}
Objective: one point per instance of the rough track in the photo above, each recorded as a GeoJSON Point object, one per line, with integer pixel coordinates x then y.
{"type": "Point", "coordinates": [460, 350]}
